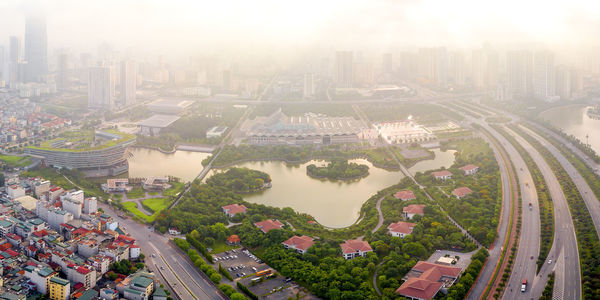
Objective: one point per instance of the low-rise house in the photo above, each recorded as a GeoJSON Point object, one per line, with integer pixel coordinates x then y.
{"type": "Point", "coordinates": [233, 209]}
{"type": "Point", "coordinates": [174, 231]}
{"type": "Point", "coordinates": [268, 225]}
{"type": "Point", "coordinates": [299, 243]}
{"type": "Point", "coordinates": [470, 169]}
{"type": "Point", "coordinates": [60, 289]}
{"type": "Point", "coordinates": [426, 279]}
{"type": "Point", "coordinates": [401, 229]}
{"type": "Point", "coordinates": [461, 192]}
{"type": "Point", "coordinates": [414, 209]}
{"type": "Point", "coordinates": [109, 294]}
{"type": "Point", "coordinates": [405, 195]}
{"type": "Point", "coordinates": [443, 175]}
{"type": "Point", "coordinates": [355, 248]}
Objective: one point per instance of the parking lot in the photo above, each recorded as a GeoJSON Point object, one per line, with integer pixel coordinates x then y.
{"type": "Point", "coordinates": [242, 265]}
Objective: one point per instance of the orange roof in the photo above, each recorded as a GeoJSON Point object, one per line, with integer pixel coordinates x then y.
{"type": "Point", "coordinates": [402, 227]}
{"type": "Point", "coordinates": [234, 239]}
{"type": "Point", "coordinates": [300, 242]}
{"type": "Point", "coordinates": [405, 195]}
{"type": "Point", "coordinates": [428, 283]}
{"type": "Point", "coordinates": [441, 173]}
{"type": "Point", "coordinates": [461, 191]}
{"type": "Point", "coordinates": [414, 209]}
{"type": "Point", "coordinates": [268, 225]}
{"type": "Point", "coordinates": [469, 167]}
{"type": "Point", "coordinates": [351, 246]}
{"type": "Point", "coordinates": [234, 209]}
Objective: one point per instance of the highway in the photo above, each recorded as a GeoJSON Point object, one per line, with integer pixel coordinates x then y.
{"type": "Point", "coordinates": [178, 274]}
{"type": "Point", "coordinates": [564, 251]}
{"type": "Point", "coordinates": [529, 242]}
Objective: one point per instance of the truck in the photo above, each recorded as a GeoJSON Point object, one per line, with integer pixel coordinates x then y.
{"type": "Point", "coordinates": [524, 285]}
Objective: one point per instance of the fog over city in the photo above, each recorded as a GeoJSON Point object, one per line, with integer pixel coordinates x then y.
{"type": "Point", "coordinates": [188, 27]}
{"type": "Point", "coordinates": [276, 150]}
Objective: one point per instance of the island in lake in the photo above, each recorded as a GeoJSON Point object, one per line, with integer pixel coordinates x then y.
{"type": "Point", "coordinates": [338, 170]}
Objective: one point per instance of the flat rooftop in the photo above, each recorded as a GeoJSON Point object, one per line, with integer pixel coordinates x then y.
{"type": "Point", "coordinates": [170, 104]}
{"type": "Point", "coordinates": [159, 121]}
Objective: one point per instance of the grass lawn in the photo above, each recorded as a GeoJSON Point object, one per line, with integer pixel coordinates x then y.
{"type": "Point", "coordinates": [50, 174]}
{"type": "Point", "coordinates": [132, 207]}
{"type": "Point", "coordinates": [153, 193]}
{"type": "Point", "coordinates": [15, 161]}
{"type": "Point", "coordinates": [219, 247]}
{"type": "Point", "coordinates": [137, 192]}
{"type": "Point", "coordinates": [175, 188]}
{"type": "Point", "coordinates": [155, 204]}
{"type": "Point", "coordinates": [117, 196]}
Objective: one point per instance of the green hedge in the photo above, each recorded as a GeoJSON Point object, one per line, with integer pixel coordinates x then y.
{"type": "Point", "coordinates": [225, 272]}
{"type": "Point", "coordinates": [200, 247]}
{"type": "Point", "coordinates": [246, 291]}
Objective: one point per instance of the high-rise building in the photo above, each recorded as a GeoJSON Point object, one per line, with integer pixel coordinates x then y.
{"type": "Point", "coordinates": [484, 63]}
{"type": "Point", "coordinates": [344, 69]}
{"type": "Point", "coordinates": [2, 63]}
{"type": "Point", "coordinates": [408, 65]}
{"type": "Point", "coordinates": [128, 82]}
{"type": "Point", "coordinates": [519, 72]}
{"type": "Point", "coordinates": [433, 66]}
{"type": "Point", "coordinates": [563, 82]}
{"type": "Point", "coordinates": [227, 80]}
{"type": "Point", "coordinates": [36, 49]}
{"type": "Point", "coordinates": [544, 75]}
{"type": "Point", "coordinates": [62, 79]}
{"type": "Point", "coordinates": [15, 51]}
{"type": "Point", "coordinates": [457, 68]}
{"type": "Point", "coordinates": [101, 87]}
{"type": "Point", "coordinates": [387, 64]}
{"type": "Point", "coordinates": [309, 86]}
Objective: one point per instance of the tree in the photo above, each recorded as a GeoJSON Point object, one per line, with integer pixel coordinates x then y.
{"type": "Point", "coordinates": [216, 278]}
{"type": "Point", "coordinates": [237, 296]}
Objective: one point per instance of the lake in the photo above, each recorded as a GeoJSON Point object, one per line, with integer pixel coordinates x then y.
{"type": "Point", "coordinates": [183, 164]}
{"type": "Point", "coordinates": [574, 120]}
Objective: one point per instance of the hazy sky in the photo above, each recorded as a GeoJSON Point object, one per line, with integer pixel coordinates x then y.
{"type": "Point", "coordinates": [188, 26]}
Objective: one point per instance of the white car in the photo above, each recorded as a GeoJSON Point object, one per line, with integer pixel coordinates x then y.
{"type": "Point", "coordinates": [549, 261]}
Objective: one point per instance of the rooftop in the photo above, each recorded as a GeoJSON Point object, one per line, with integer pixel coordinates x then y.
{"type": "Point", "coordinates": [268, 225]}
{"type": "Point", "coordinates": [159, 121]}
{"type": "Point", "coordinates": [80, 141]}
{"type": "Point", "coordinates": [352, 246]}
{"type": "Point", "coordinates": [462, 191]}
{"type": "Point", "coordinates": [402, 227]}
{"type": "Point", "coordinates": [300, 242]}
{"type": "Point", "coordinates": [405, 195]}
{"type": "Point", "coordinates": [414, 209]}
{"type": "Point", "coordinates": [58, 280]}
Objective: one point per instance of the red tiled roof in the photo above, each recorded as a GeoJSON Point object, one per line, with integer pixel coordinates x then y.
{"type": "Point", "coordinates": [414, 209]}
{"type": "Point", "coordinates": [402, 227]}
{"type": "Point", "coordinates": [83, 270]}
{"type": "Point", "coordinates": [300, 242]}
{"type": "Point", "coordinates": [419, 288]}
{"type": "Point", "coordinates": [469, 167]}
{"type": "Point", "coordinates": [41, 233]}
{"type": "Point", "coordinates": [234, 209]}
{"type": "Point", "coordinates": [126, 239]}
{"type": "Point", "coordinates": [427, 284]}
{"type": "Point", "coordinates": [441, 173]}
{"type": "Point", "coordinates": [234, 239]}
{"type": "Point", "coordinates": [461, 191]}
{"type": "Point", "coordinates": [351, 246]}
{"type": "Point", "coordinates": [11, 252]}
{"type": "Point", "coordinates": [268, 225]}
{"type": "Point", "coordinates": [5, 246]}
{"type": "Point", "coordinates": [405, 195]}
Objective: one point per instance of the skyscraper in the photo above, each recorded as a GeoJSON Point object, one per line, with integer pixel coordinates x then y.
{"type": "Point", "coordinates": [309, 86]}
{"type": "Point", "coordinates": [62, 79]}
{"type": "Point", "coordinates": [563, 82]}
{"type": "Point", "coordinates": [36, 49]}
{"type": "Point", "coordinates": [101, 88]}
{"type": "Point", "coordinates": [387, 64]}
{"type": "Point", "coordinates": [544, 75]}
{"type": "Point", "coordinates": [15, 51]}
{"type": "Point", "coordinates": [433, 65]}
{"type": "Point", "coordinates": [344, 69]}
{"type": "Point", "coordinates": [519, 67]}
{"type": "Point", "coordinates": [484, 63]}
{"type": "Point", "coordinates": [457, 67]}
{"type": "Point", "coordinates": [128, 82]}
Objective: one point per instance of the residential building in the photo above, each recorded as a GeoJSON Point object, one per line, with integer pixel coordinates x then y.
{"type": "Point", "coordinates": [60, 289]}
{"type": "Point", "coordinates": [544, 77]}
{"type": "Point", "coordinates": [216, 132]}
{"type": "Point", "coordinates": [90, 205]}
{"type": "Point", "coordinates": [405, 195]}
{"type": "Point", "coordinates": [101, 88]}
{"type": "Point", "coordinates": [401, 229]}
{"type": "Point", "coordinates": [414, 209]}
{"type": "Point", "coordinates": [40, 276]}
{"type": "Point", "coordinates": [15, 191]}
{"type": "Point", "coordinates": [309, 86]}
{"type": "Point", "coordinates": [443, 175]}
{"type": "Point", "coordinates": [426, 279]}
{"type": "Point", "coordinates": [233, 239]}
{"type": "Point", "coordinates": [461, 192]}
{"type": "Point", "coordinates": [268, 225]}
{"type": "Point", "coordinates": [128, 82]}
{"type": "Point", "coordinates": [36, 49]}
{"type": "Point", "coordinates": [470, 169]}
{"type": "Point", "coordinates": [233, 209]}
{"type": "Point", "coordinates": [355, 248]}
{"type": "Point", "coordinates": [344, 69]}
{"type": "Point", "coordinates": [299, 243]}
